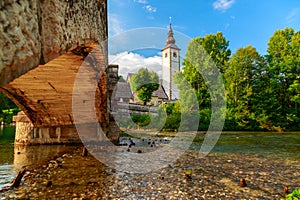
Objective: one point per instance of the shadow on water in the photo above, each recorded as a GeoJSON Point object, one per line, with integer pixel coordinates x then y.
{"type": "Point", "coordinates": [12, 158]}
{"type": "Point", "coordinates": [7, 135]}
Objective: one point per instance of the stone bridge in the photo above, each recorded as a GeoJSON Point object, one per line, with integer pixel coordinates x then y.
{"type": "Point", "coordinates": [44, 44]}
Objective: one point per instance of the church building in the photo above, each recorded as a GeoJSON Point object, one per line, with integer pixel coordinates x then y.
{"type": "Point", "coordinates": [167, 90]}
{"type": "Point", "coordinates": [170, 65]}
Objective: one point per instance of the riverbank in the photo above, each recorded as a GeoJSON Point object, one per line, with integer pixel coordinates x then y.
{"type": "Point", "coordinates": [217, 176]}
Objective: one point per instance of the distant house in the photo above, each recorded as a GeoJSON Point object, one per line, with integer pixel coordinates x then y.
{"type": "Point", "coordinates": [159, 96]}
{"type": "Point", "coordinates": [123, 93]}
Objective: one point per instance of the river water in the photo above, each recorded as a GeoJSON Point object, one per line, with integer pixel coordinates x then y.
{"type": "Point", "coordinates": [12, 159]}
{"type": "Point", "coordinates": [283, 145]}
{"type": "Point", "coordinates": [7, 170]}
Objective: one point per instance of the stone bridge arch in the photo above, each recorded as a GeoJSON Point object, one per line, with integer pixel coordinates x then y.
{"type": "Point", "coordinates": [44, 45]}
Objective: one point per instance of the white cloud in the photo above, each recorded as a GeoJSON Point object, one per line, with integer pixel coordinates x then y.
{"type": "Point", "coordinates": [114, 24]}
{"type": "Point", "coordinates": [131, 62]}
{"type": "Point", "coordinates": [292, 16]}
{"type": "Point", "coordinates": [150, 8]}
{"type": "Point", "coordinates": [223, 5]}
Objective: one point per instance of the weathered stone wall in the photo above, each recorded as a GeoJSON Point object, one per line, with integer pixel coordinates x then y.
{"type": "Point", "coordinates": [39, 64]}
{"type": "Point", "coordinates": [112, 73]}
{"type": "Point", "coordinates": [34, 32]}
{"type": "Point", "coordinates": [27, 134]}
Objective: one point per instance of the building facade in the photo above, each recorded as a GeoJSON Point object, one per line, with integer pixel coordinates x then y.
{"type": "Point", "coordinates": [170, 65]}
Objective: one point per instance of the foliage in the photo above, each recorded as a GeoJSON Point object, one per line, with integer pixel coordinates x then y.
{"type": "Point", "coordinates": [6, 103]}
{"type": "Point", "coordinates": [7, 109]}
{"type": "Point", "coordinates": [206, 57]}
{"type": "Point", "coordinates": [135, 121]}
{"type": "Point", "coordinates": [205, 116]}
{"type": "Point", "coordinates": [179, 119]}
{"type": "Point", "coordinates": [284, 69]}
{"type": "Point", "coordinates": [295, 195]}
{"type": "Point", "coordinates": [145, 121]}
{"type": "Point", "coordinates": [173, 118]}
{"type": "Point", "coordinates": [145, 83]}
{"type": "Point", "coordinates": [7, 115]}
{"type": "Point", "coordinates": [188, 174]}
{"type": "Point", "coordinates": [262, 92]}
{"type": "Point", "coordinates": [216, 46]}
{"type": "Point", "coordinates": [121, 78]}
{"type": "Point", "coordinates": [141, 120]}
{"type": "Point", "coordinates": [188, 99]}
{"type": "Point", "coordinates": [244, 68]}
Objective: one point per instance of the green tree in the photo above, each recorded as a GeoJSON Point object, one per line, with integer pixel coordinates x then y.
{"type": "Point", "coordinates": [6, 103]}
{"type": "Point", "coordinates": [121, 78]}
{"type": "Point", "coordinates": [284, 68]}
{"type": "Point", "coordinates": [244, 69]}
{"type": "Point", "coordinates": [216, 46]}
{"type": "Point", "coordinates": [7, 109]}
{"type": "Point", "coordinates": [145, 83]}
{"type": "Point", "coordinates": [202, 53]}
{"type": "Point", "coordinates": [205, 60]}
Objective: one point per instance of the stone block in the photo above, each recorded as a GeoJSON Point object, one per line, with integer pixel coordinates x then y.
{"type": "Point", "coordinates": [34, 32]}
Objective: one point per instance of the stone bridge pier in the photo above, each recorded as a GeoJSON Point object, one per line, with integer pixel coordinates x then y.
{"type": "Point", "coordinates": [44, 45]}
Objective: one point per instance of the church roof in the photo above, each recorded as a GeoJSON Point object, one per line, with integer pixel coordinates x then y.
{"type": "Point", "coordinates": [123, 90]}
{"type": "Point", "coordinates": [173, 46]}
{"type": "Point", "coordinates": [160, 93]}
{"type": "Point", "coordinates": [170, 42]}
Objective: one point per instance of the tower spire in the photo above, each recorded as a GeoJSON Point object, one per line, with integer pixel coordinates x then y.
{"type": "Point", "coordinates": [170, 64]}
{"type": "Point", "coordinates": [170, 39]}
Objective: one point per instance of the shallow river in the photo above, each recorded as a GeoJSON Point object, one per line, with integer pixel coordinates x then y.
{"type": "Point", "coordinates": [13, 159]}
{"type": "Point", "coordinates": [285, 145]}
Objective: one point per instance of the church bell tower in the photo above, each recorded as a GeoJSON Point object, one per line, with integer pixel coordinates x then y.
{"type": "Point", "coordinates": [170, 64]}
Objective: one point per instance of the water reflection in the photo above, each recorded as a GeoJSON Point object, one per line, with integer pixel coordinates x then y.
{"type": "Point", "coordinates": [7, 172]}
{"type": "Point", "coordinates": [31, 156]}
{"type": "Point", "coordinates": [13, 158]}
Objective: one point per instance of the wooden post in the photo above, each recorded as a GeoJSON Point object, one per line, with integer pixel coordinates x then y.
{"type": "Point", "coordinates": [16, 182]}
{"type": "Point", "coordinates": [84, 152]}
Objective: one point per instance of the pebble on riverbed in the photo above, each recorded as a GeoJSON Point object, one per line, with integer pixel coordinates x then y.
{"type": "Point", "coordinates": [213, 178]}
{"type": "Point", "coordinates": [243, 182]}
{"type": "Point", "coordinates": [49, 184]}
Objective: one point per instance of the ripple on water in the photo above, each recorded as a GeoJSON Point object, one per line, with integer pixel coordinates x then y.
{"type": "Point", "coordinates": [6, 174]}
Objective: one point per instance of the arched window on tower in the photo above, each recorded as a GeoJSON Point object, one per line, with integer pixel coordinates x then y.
{"type": "Point", "coordinates": [174, 54]}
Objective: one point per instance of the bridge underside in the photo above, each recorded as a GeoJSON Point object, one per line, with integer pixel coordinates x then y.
{"type": "Point", "coordinates": [45, 94]}
{"type": "Point", "coordinates": [45, 45]}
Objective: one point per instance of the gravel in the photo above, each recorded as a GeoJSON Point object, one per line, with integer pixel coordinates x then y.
{"type": "Point", "coordinates": [216, 176]}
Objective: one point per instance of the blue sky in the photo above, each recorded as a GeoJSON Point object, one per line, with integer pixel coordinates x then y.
{"type": "Point", "coordinates": [243, 22]}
